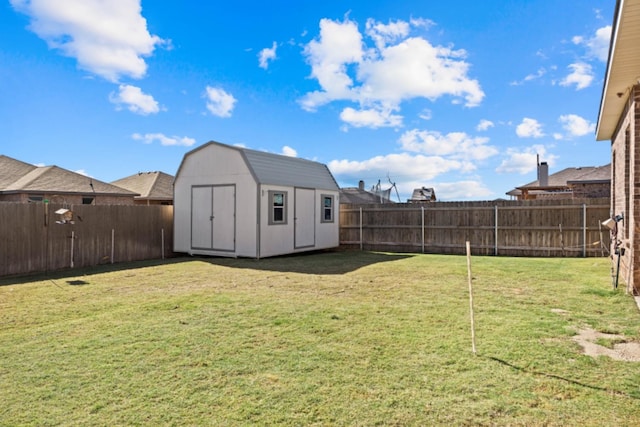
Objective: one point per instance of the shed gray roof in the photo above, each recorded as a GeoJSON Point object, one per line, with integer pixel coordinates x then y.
{"type": "Point", "coordinates": [276, 169]}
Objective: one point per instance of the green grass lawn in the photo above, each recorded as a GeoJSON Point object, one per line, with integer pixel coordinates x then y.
{"type": "Point", "coordinates": [335, 338]}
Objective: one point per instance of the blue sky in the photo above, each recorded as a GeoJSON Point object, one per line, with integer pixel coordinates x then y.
{"type": "Point", "coordinates": [457, 96]}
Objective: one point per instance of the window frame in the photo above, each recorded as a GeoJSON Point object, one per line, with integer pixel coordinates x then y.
{"type": "Point", "coordinates": [273, 207]}
{"type": "Point", "coordinates": [332, 208]}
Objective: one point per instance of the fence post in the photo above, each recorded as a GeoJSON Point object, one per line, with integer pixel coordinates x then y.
{"type": "Point", "coordinates": [495, 250]}
{"type": "Point", "coordinates": [360, 227]}
{"type": "Point", "coordinates": [162, 233]}
{"type": "Point", "coordinates": [584, 230]}
{"type": "Point", "coordinates": [73, 236]}
{"type": "Point", "coordinates": [422, 207]}
{"type": "Point", "coordinates": [113, 238]}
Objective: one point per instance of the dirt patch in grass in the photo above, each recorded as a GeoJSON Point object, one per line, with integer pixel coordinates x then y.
{"type": "Point", "coordinates": [623, 351]}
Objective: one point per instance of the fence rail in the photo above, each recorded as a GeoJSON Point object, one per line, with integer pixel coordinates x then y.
{"type": "Point", "coordinates": [32, 240]}
{"type": "Point", "coordinates": [515, 228]}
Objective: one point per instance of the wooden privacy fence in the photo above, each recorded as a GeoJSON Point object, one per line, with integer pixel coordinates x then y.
{"type": "Point", "coordinates": [568, 228]}
{"type": "Point", "coordinates": [32, 240]}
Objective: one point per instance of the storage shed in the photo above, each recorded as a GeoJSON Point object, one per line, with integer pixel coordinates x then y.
{"type": "Point", "coordinates": [235, 202]}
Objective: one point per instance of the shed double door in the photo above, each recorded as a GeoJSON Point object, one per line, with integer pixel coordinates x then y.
{"type": "Point", "coordinates": [213, 217]}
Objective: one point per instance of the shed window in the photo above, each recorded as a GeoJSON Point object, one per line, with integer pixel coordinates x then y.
{"type": "Point", "coordinates": [278, 207]}
{"type": "Point", "coordinates": [87, 200]}
{"type": "Point", "coordinates": [327, 208]}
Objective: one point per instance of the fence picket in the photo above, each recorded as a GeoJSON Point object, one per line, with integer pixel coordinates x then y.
{"type": "Point", "coordinates": [32, 241]}
{"type": "Point", "coordinates": [511, 228]}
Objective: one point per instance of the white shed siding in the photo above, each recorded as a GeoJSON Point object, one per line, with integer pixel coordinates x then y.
{"type": "Point", "coordinates": [327, 233]}
{"type": "Point", "coordinates": [213, 166]}
{"type": "Point", "coordinates": [215, 172]}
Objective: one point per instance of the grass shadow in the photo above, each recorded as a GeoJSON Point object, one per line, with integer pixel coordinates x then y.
{"type": "Point", "coordinates": [77, 282]}
{"type": "Point", "coordinates": [67, 273]}
{"type": "Point", "coordinates": [313, 262]}
{"type": "Point", "coordinates": [567, 380]}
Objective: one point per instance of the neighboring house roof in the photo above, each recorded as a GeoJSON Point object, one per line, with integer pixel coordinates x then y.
{"type": "Point", "coordinates": [11, 170]}
{"type": "Point", "coordinates": [18, 178]}
{"type": "Point", "coordinates": [565, 177]}
{"type": "Point", "coordinates": [423, 194]}
{"type": "Point", "coordinates": [357, 196]}
{"type": "Point", "coordinates": [149, 185]}
{"type": "Point", "coordinates": [623, 66]}
{"type": "Point", "coordinates": [276, 169]}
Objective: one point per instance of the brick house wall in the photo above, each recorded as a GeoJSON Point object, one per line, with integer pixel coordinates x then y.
{"type": "Point", "coordinates": [71, 199]}
{"type": "Point", "coordinates": [625, 189]}
{"type": "Point", "coordinates": [589, 190]}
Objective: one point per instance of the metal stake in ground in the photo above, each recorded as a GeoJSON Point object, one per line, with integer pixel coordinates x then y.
{"type": "Point", "coordinates": [473, 326]}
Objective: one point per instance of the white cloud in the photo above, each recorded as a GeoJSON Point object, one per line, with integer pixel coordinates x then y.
{"type": "Point", "coordinates": [372, 118]}
{"type": "Point", "coordinates": [576, 125]}
{"type": "Point", "coordinates": [529, 128]}
{"type": "Point", "coordinates": [525, 161]}
{"type": "Point", "coordinates": [266, 55]}
{"type": "Point", "coordinates": [107, 38]}
{"type": "Point", "coordinates": [598, 45]}
{"type": "Point", "coordinates": [395, 165]}
{"type": "Point", "coordinates": [415, 68]}
{"type": "Point", "coordinates": [135, 100]}
{"type": "Point", "coordinates": [219, 102]}
{"type": "Point", "coordinates": [484, 125]}
{"type": "Point", "coordinates": [425, 155]}
{"type": "Point", "coordinates": [456, 145]}
{"type": "Point", "coordinates": [461, 190]}
{"type": "Point", "coordinates": [339, 44]}
{"type": "Point", "coordinates": [378, 77]}
{"type": "Point", "coordinates": [541, 72]}
{"type": "Point", "coordinates": [581, 76]}
{"type": "Point", "coordinates": [288, 151]}
{"type": "Point", "coordinates": [530, 77]}
{"type": "Point", "coordinates": [149, 138]}
{"type": "Point", "coordinates": [383, 34]}
{"type": "Point", "coordinates": [426, 114]}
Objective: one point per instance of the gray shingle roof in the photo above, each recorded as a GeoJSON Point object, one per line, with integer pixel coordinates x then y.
{"type": "Point", "coordinates": [356, 196]}
{"type": "Point", "coordinates": [20, 177]}
{"type": "Point", "coordinates": [585, 173]}
{"type": "Point", "coordinates": [276, 169]}
{"type": "Point", "coordinates": [11, 170]}
{"type": "Point", "coordinates": [150, 185]}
